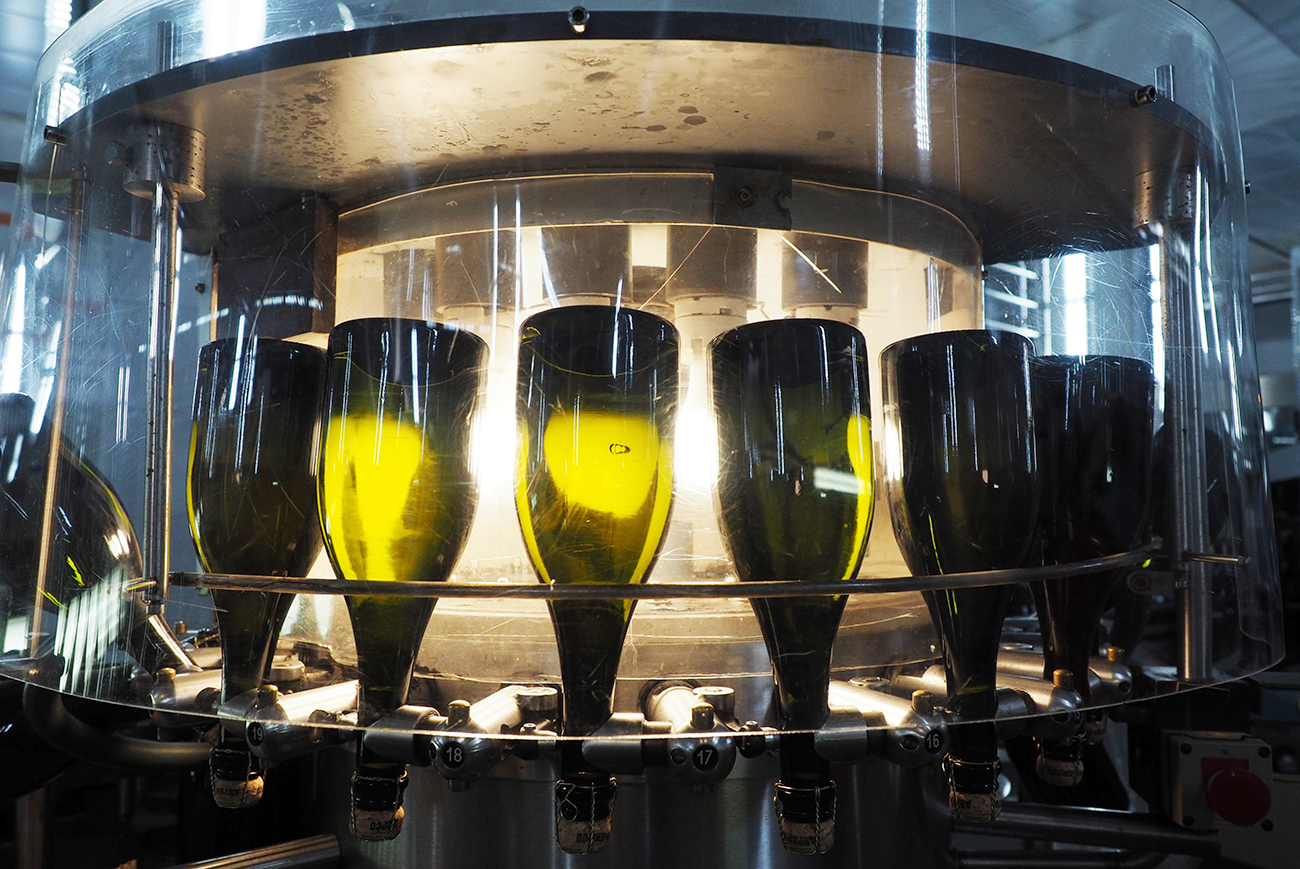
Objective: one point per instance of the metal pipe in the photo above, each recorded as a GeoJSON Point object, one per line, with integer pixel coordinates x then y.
{"type": "Point", "coordinates": [1185, 439]}
{"type": "Point", "coordinates": [316, 852]}
{"type": "Point", "coordinates": [1058, 860]}
{"type": "Point", "coordinates": [162, 329]}
{"type": "Point", "coordinates": [76, 216]}
{"type": "Point", "coordinates": [1102, 828]}
{"type": "Point", "coordinates": [170, 646]}
{"type": "Point", "coordinates": [61, 729]}
{"type": "Point", "coordinates": [31, 811]}
{"type": "Point", "coordinates": [662, 591]}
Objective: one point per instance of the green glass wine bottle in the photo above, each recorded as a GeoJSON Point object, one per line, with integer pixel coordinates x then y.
{"type": "Point", "coordinates": [964, 497]}
{"type": "Point", "coordinates": [1093, 425]}
{"type": "Point", "coordinates": [397, 498]}
{"type": "Point", "coordinates": [795, 494]}
{"type": "Point", "coordinates": [596, 404]}
{"type": "Point", "coordinates": [251, 494]}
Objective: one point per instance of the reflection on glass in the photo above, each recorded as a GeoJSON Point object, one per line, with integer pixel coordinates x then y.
{"type": "Point", "coordinates": [252, 507]}
{"type": "Point", "coordinates": [396, 502]}
{"type": "Point", "coordinates": [87, 606]}
{"type": "Point", "coordinates": [964, 497]}
{"type": "Point", "coordinates": [596, 404]}
{"type": "Point", "coordinates": [1093, 423]}
{"type": "Point", "coordinates": [795, 496]}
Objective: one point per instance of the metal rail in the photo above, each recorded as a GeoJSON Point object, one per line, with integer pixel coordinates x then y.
{"type": "Point", "coordinates": [664, 591]}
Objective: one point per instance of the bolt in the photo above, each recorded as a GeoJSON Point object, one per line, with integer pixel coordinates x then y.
{"type": "Point", "coordinates": [678, 756]}
{"type": "Point", "coordinates": [1115, 654]}
{"type": "Point", "coordinates": [702, 717]}
{"type": "Point", "coordinates": [745, 197]}
{"type": "Point", "coordinates": [458, 714]}
{"type": "Point", "coordinates": [922, 702]}
{"type": "Point", "coordinates": [1185, 748]}
{"type": "Point", "coordinates": [1140, 582]}
{"type": "Point", "coordinates": [537, 699]}
{"type": "Point", "coordinates": [578, 18]}
{"type": "Point", "coordinates": [1266, 826]}
{"type": "Point", "coordinates": [910, 742]}
{"type": "Point", "coordinates": [1063, 679]}
{"type": "Point", "coordinates": [1145, 95]}
{"type": "Point", "coordinates": [1264, 751]}
{"type": "Point", "coordinates": [720, 697]}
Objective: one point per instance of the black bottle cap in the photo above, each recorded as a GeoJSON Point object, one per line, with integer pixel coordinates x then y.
{"type": "Point", "coordinates": [583, 811]}
{"type": "Point", "coordinates": [236, 777]}
{"type": "Point", "coordinates": [973, 789]}
{"type": "Point", "coordinates": [1094, 726]}
{"type": "Point", "coordinates": [377, 812]}
{"type": "Point", "coordinates": [1060, 761]}
{"type": "Point", "coordinates": [806, 816]}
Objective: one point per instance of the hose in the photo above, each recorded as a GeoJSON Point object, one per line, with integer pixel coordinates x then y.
{"type": "Point", "coordinates": [51, 719]}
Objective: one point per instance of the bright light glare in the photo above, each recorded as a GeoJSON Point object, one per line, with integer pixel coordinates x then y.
{"type": "Point", "coordinates": [697, 435]}
{"type": "Point", "coordinates": [1157, 325]}
{"type": "Point", "coordinates": [232, 25]}
{"type": "Point", "coordinates": [1074, 269]}
{"type": "Point", "coordinates": [58, 15]}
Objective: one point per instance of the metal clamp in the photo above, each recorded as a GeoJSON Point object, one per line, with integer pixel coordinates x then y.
{"type": "Point", "coordinates": [1025, 705]}
{"type": "Point", "coordinates": [461, 756]}
{"type": "Point", "coordinates": [280, 726]}
{"type": "Point", "coordinates": [1109, 679]}
{"type": "Point", "coordinates": [703, 749]}
{"type": "Point", "coordinates": [916, 734]}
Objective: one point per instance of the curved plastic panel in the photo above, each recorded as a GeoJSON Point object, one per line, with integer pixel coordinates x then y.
{"type": "Point", "coordinates": [1066, 180]}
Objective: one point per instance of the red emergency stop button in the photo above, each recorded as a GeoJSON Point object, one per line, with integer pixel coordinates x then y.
{"type": "Point", "coordinates": [1238, 795]}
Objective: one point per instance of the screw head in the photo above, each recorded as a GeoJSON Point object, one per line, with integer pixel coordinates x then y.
{"type": "Point", "coordinates": [458, 713]}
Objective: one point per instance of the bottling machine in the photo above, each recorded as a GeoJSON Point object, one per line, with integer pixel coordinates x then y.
{"type": "Point", "coordinates": [869, 386]}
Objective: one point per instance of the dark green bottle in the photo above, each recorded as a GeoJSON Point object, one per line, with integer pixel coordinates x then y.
{"type": "Point", "coordinates": [795, 496]}
{"type": "Point", "coordinates": [251, 493]}
{"type": "Point", "coordinates": [1093, 424]}
{"type": "Point", "coordinates": [964, 497]}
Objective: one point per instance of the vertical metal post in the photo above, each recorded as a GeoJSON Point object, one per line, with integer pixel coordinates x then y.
{"type": "Point", "coordinates": [1185, 441]}
{"type": "Point", "coordinates": [30, 811]}
{"type": "Point", "coordinates": [158, 394]}
{"type": "Point", "coordinates": [167, 169]}
{"type": "Point", "coordinates": [76, 217]}
{"type": "Point", "coordinates": [1295, 312]}
{"type": "Point", "coordinates": [1173, 208]}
